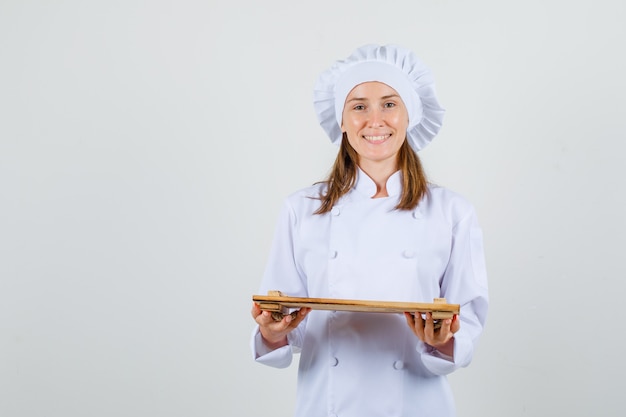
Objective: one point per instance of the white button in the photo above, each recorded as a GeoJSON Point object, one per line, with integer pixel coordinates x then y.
{"type": "Point", "coordinates": [398, 365]}
{"type": "Point", "coordinates": [334, 361]}
{"type": "Point", "coordinates": [409, 253]}
{"type": "Point", "coordinates": [417, 214]}
{"type": "Point", "coordinates": [332, 254]}
{"type": "Point", "coordinates": [335, 211]}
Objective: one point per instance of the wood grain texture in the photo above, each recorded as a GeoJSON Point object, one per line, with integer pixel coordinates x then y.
{"type": "Point", "coordinates": [277, 302]}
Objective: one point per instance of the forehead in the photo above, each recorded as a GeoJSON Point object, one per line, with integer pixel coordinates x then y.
{"type": "Point", "coordinates": [371, 89]}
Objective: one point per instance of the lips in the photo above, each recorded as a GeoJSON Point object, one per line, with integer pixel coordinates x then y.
{"type": "Point", "coordinates": [377, 138]}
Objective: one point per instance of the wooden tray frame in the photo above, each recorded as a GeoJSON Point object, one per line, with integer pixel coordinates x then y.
{"type": "Point", "coordinates": [278, 303]}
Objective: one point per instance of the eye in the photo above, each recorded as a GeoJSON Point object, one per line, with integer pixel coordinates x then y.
{"type": "Point", "coordinates": [390, 105]}
{"type": "Point", "coordinates": [359, 107]}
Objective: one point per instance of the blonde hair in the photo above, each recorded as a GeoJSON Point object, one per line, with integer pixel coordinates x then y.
{"type": "Point", "coordinates": [343, 177]}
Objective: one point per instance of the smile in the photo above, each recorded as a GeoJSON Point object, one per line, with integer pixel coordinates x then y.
{"type": "Point", "coordinates": [376, 139]}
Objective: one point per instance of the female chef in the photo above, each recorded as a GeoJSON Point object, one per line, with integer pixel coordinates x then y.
{"type": "Point", "coordinates": [375, 230]}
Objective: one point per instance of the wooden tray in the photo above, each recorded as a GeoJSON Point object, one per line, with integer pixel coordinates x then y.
{"type": "Point", "coordinates": [278, 303]}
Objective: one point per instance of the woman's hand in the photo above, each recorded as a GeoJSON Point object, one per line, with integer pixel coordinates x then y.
{"type": "Point", "coordinates": [441, 339]}
{"type": "Point", "coordinates": [275, 333]}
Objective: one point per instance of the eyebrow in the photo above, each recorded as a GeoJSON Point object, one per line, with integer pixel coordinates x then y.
{"type": "Point", "coordinates": [365, 99]}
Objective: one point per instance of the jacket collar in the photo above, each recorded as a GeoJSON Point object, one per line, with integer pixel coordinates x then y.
{"type": "Point", "coordinates": [367, 187]}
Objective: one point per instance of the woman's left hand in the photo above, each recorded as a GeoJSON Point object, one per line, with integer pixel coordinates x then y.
{"type": "Point", "coordinates": [442, 338]}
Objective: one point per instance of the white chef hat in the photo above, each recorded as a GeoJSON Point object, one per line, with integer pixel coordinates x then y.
{"type": "Point", "coordinates": [395, 66]}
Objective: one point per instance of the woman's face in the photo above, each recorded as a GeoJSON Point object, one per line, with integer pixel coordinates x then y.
{"type": "Point", "coordinates": [375, 120]}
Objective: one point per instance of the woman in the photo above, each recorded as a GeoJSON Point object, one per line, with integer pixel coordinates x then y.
{"type": "Point", "coordinates": [377, 230]}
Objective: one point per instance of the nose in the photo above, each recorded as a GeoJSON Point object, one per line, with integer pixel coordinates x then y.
{"type": "Point", "coordinates": [376, 118]}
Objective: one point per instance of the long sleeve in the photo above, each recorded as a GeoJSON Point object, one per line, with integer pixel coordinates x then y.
{"type": "Point", "coordinates": [282, 273]}
{"type": "Point", "coordinates": [465, 282]}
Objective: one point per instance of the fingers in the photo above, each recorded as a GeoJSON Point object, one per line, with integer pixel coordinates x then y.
{"type": "Point", "coordinates": [410, 320]}
{"type": "Point", "coordinates": [420, 326]}
{"type": "Point", "coordinates": [266, 319]}
{"type": "Point", "coordinates": [287, 321]}
{"type": "Point", "coordinates": [275, 332]}
{"type": "Point", "coordinates": [451, 326]}
{"type": "Point", "coordinates": [256, 310]}
{"type": "Point", "coordinates": [416, 323]}
{"type": "Point", "coordinates": [431, 332]}
{"type": "Point", "coordinates": [456, 324]}
{"type": "Point", "coordinates": [429, 326]}
{"type": "Point", "coordinates": [301, 314]}
{"type": "Point", "coordinates": [444, 333]}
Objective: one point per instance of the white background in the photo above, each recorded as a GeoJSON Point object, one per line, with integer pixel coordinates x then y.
{"type": "Point", "coordinates": [146, 146]}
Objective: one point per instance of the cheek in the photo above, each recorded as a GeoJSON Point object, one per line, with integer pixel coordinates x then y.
{"type": "Point", "coordinates": [347, 126]}
{"type": "Point", "coordinates": [352, 139]}
{"type": "Point", "coordinates": [400, 120]}
{"type": "Point", "coordinates": [345, 122]}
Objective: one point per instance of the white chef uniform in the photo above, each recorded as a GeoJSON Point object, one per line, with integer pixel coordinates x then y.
{"type": "Point", "coordinates": [371, 364]}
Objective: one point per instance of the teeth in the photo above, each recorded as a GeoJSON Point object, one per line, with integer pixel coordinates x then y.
{"type": "Point", "coordinates": [375, 138]}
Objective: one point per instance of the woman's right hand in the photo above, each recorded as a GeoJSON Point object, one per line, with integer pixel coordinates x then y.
{"type": "Point", "coordinates": [275, 333]}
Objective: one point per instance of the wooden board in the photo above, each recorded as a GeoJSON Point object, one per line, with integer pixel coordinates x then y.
{"type": "Point", "coordinates": [275, 301]}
